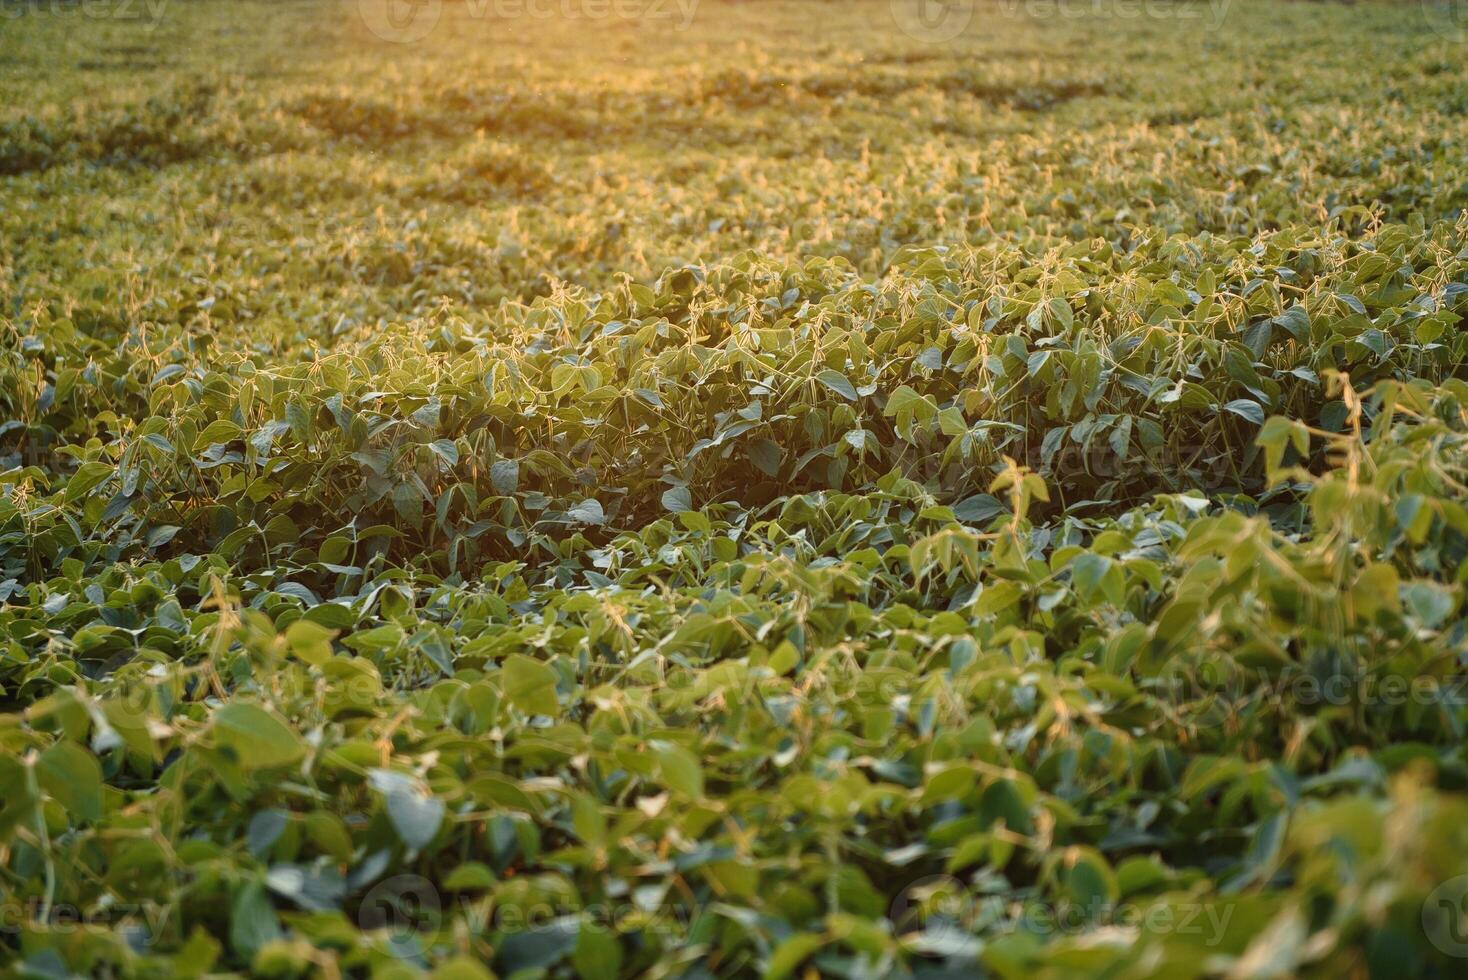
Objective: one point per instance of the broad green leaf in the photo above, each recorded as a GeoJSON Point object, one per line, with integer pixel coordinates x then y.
{"type": "Point", "coordinates": [530, 685]}
{"type": "Point", "coordinates": [838, 383]}
{"type": "Point", "coordinates": [258, 738]}
{"type": "Point", "coordinates": [680, 769]}
{"type": "Point", "coordinates": [1247, 409]}
{"type": "Point", "coordinates": [677, 499]}
{"type": "Point", "coordinates": [71, 776]}
{"type": "Point", "coordinates": [790, 954]}
{"type": "Point", "coordinates": [504, 474]}
{"type": "Point", "coordinates": [588, 511]}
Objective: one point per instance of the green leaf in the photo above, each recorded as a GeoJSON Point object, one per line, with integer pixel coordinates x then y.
{"type": "Point", "coordinates": [264, 830]}
{"type": "Point", "coordinates": [677, 499]}
{"type": "Point", "coordinates": [588, 511]}
{"type": "Point", "coordinates": [1091, 882]}
{"type": "Point", "coordinates": [538, 948]}
{"type": "Point", "coordinates": [1087, 571]}
{"type": "Point", "coordinates": [259, 738]}
{"type": "Point", "coordinates": [504, 474]}
{"type": "Point", "coordinates": [415, 814]}
{"type": "Point", "coordinates": [407, 500]}
{"type": "Point", "coordinates": [766, 454]}
{"type": "Point", "coordinates": [530, 685]}
{"type": "Point", "coordinates": [790, 954]}
{"type": "Point", "coordinates": [71, 776]}
{"type": "Point", "coordinates": [86, 478]}
{"type": "Point", "coordinates": [461, 967]}
{"type": "Point", "coordinates": [313, 888]}
{"type": "Point", "coordinates": [1060, 311]}
{"type": "Point", "coordinates": [1246, 408]}
{"type": "Point", "coordinates": [216, 432]}
{"type": "Point", "coordinates": [445, 450]}
{"type": "Point", "coordinates": [978, 509]}
{"type": "Point", "coordinates": [588, 820]}
{"type": "Point", "coordinates": [1428, 602]}
{"type": "Point", "coordinates": [161, 535]}
{"type": "Point", "coordinates": [416, 818]}
{"type": "Point", "coordinates": [310, 642]}
{"type": "Point", "coordinates": [252, 921]}
{"type": "Point", "coordinates": [598, 954]}
{"type": "Point", "coordinates": [680, 769]}
{"type": "Point", "coordinates": [838, 383]}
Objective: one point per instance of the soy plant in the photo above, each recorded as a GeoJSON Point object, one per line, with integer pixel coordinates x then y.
{"type": "Point", "coordinates": [845, 506]}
